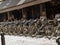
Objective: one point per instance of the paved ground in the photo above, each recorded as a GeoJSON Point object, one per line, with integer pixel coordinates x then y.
{"type": "Point", "coordinates": [17, 40]}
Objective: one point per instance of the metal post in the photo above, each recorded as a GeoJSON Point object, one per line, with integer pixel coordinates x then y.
{"type": "Point", "coordinates": [2, 39]}
{"type": "Point", "coordinates": [58, 41]}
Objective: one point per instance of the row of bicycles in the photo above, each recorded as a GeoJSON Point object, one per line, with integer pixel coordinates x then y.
{"type": "Point", "coordinates": [34, 28]}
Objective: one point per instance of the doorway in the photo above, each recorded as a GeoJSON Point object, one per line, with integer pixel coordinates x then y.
{"type": "Point", "coordinates": [52, 10]}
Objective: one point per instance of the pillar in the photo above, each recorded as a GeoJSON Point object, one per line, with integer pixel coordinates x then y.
{"type": "Point", "coordinates": [8, 15]}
